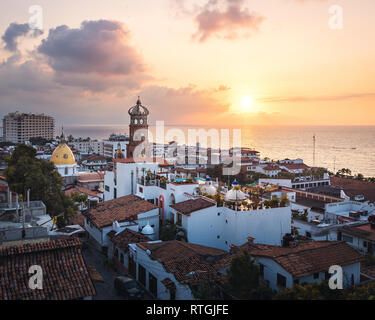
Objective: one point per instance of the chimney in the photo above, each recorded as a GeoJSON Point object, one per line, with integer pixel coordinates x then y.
{"type": "Point", "coordinates": [233, 248]}
{"type": "Point", "coordinates": [250, 239]}
{"type": "Point", "coordinates": [292, 244]}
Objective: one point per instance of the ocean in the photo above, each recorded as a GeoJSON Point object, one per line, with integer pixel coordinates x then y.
{"type": "Point", "coordinates": [336, 147]}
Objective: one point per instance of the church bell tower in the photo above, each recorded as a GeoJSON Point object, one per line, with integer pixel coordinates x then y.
{"type": "Point", "coordinates": [138, 128]}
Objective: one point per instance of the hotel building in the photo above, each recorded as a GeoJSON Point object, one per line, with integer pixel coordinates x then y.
{"type": "Point", "coordinates": [20, 127]}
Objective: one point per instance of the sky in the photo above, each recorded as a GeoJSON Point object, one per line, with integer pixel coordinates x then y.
{"type": "Point", "coordinates": [222, 63]}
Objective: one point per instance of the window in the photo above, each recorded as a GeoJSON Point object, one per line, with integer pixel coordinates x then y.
{"type": "Point", "coordinates": [114, 193]}
{"type": "Point", "coordinates": [281, 280]}
{"type": "Point", "coordinates": [308, 234]}
{"type": "Point", "coordinates": [132, 267]}
{"type": "Point", "coordinates": [365, 244]}
{"type": "Point", "coordinates": [316, 275]}
{"type": "Point", "coordinates": [122, 258]}
{"type": "Point", "coordinates": [153, 284]}
{"type": "Point", "coordinates": [106, 188]}
{"type": "Point", "coordinates": [142, 275]}
{"type": "Point", "coordinates": [140, 189]}
{"type": "Point", "coordinates": [179, 219]}
{"type": "Point", "coordinates": [116, 253]}
{"type": "Point", "coordinates": [296, 281]}
{"type": "Point", "coordinates": [347, 238]}
{"type": "Point", "coordinates": [261, 270]}
{"type": "Point", "coordinates": [66, 171]}
{"type": "Point", "coordinates": [352, 279]}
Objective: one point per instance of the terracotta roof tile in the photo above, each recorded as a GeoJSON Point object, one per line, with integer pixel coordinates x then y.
{"type": "Point", "coordinates": [80, 190]}
{"type": "Point", "coordinates": [295, 166]}
{"type": "Point", "coordinates": [121, 209]}
{"type": "Point", "coordinates": [191, 205]}
{"type": "Point", "coordinates": [65, 275]}
{"type": "Point", "coordinates": [124, 238]}
{"type": "Point", "coordinates": [353, 187]}
{"type": "Point", "coordinates": [363, 231]}
{"type": "Point", "coordinates": [307, 258]}
{"type": "Point", "coordinates": [188, 262]}
{"type": "Point", "coordinates": [91, 176]}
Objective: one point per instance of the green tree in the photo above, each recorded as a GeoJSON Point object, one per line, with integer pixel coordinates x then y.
{"type": "Point", "coordinates": [243, 276]}
{"type": "Point", "coordinates": [170, 231]}
{"type": "Point", "coordinates": [360, 176]}
{"type": "Point", "coordinates": [206, 290]}
{"type": "Point", "coordinates": [80, 199]}
{"type": "Point", "coordinates": [215, 172]}
{"type": "Point", "coordinates": [26, 172]}
{"type": "Point", "coordinates": [316, 291]}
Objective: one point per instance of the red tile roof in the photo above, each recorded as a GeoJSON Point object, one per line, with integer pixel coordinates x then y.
{"type": "Point", "coordinates": [124, 238]}
{"type": "Point", "coordinates": [353, 187]}
{"type": "Point", "coordinates": [121, 209]}
{"type": "Point", "coordinates": [271, 168]}
{"type": "Point", "coordinates": [188, 262]}
{"type": "Point", "coordinates": [65, 274]}
{"type": "Point", "coordinates": [362, 231]}
{"type": "Point", "coordinates": [307, 258]}
{"type": "Point", "coordinates": [81, 190]}
{"type": "Point", "coordinates": [191, 205]}
{"type": "Point", "coordinates": [295, 166]}
{"type": "Point", "coordinates": [91, 176]}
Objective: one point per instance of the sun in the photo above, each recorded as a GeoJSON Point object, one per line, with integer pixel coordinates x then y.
{"type": "Point", "coordinates": [246, 103]}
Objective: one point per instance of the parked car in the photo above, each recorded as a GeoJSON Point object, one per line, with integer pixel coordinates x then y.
{"type": "Point", "coordinates": [128, 287]}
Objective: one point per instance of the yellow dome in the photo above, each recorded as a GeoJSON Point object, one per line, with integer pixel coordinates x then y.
{"type": "Point", "coordinates": [62, 155]}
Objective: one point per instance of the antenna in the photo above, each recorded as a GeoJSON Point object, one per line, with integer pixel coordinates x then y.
{"type": "Point", "coordinates": [314, 150]}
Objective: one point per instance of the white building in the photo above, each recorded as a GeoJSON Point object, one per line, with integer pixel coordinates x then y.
{"type": "Point", "coordinates": [221, 227]}
{"type": "Point", "coordinates": [122, 181]}
{"type": "Point", "coordinates": [89, 147]}
{"type": "Point", "coordinates": [360, 236]}
{"type": "Point", "coordinates": [126, 212]}
{"type": "Point", "coordinates": [305, 263]}
{"type": "Point", "coordinates": [352, 210]}
{"type": "Point", "coordinates": [110, 147]}
{"type": "Point", "coordinates": [170, 269]}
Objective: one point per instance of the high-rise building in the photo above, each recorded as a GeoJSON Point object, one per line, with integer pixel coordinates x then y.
{"type": "Point", "coordinates": [20, 127]}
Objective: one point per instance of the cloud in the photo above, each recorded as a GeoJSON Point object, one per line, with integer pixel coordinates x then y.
{"type": "Point", "coordinates": [98, 46]}
{"type": "Point", "coordinates": [227, 22]}
{"type": "Point", "coordinates": [16, 30]}
{"type": "Point", "coordinates": [98, 56]}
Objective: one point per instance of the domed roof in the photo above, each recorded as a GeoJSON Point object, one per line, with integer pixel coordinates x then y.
{"type": "Point", "coordinates": [63, 155]}
{"type": "Point", "coordinates": [235, 194]}
{"type": "Point", "coordinates": [208, 188]}
{"type": "Point", "coordinates": [148, 230]}
{"type": "Point", "coordinates": [138, 109]}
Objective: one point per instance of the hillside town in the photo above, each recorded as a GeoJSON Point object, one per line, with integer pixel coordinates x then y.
{"type": "Point", "coordinates": [173, 222]}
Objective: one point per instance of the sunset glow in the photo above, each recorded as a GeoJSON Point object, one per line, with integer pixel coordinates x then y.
{"type": "Point", "coordinates": [193, 61]}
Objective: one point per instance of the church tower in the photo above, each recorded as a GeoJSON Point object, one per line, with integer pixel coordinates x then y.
{"type": "Point", "coordinates": [138, 127]}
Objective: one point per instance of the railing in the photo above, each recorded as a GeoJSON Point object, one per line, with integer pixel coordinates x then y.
{"type": "Point", "coordinates": [157, 183]}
